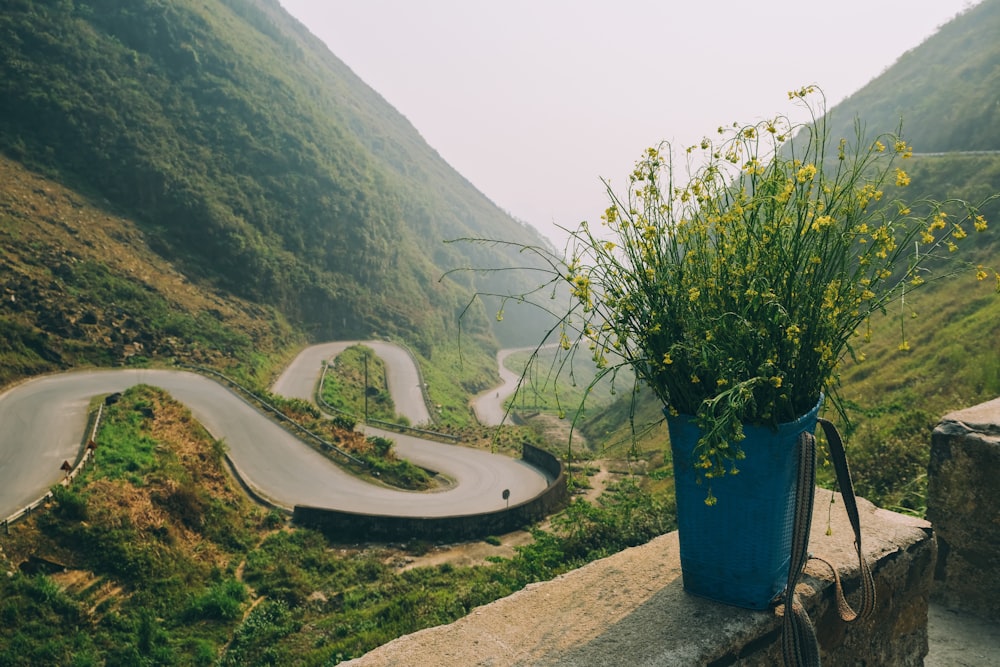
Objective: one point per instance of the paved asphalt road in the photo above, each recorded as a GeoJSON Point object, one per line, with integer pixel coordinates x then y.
{"type": "Point", "coordinates": [44, 419]}
{"type": "Point", "coordinates": [489, 405]}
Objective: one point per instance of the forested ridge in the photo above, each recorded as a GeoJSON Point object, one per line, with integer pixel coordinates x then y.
{"type": "Point", "coordinates": [250, 157]}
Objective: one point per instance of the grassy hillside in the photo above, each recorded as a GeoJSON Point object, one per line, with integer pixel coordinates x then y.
{"type": "Point", "coordinates": [946, 90]}
{"type": "Point", "coordinates": [81, 286]}
{"type": "Point", "coordinates": [250, 159]}
{"type": "Point", "coordinates": [138, 563]}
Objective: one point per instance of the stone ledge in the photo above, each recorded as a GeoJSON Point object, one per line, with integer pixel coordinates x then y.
{"type": "Point", "coordinates": [631, 609]}
{"type": "Point", "coordinates": [963, 503]}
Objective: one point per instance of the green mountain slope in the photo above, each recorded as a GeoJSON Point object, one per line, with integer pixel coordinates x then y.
{"type": "Point", "coordinates": [250, 158]}
{"type": "Point", "coordinates": [81, 286]}
{"type": "Point", "coordinates": [946, 90]}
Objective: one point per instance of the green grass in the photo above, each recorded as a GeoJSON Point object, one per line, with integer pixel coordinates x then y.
{"type": "Point", "coordinates": [455, 370]}
{"type": "Point", "coordinates": [375, 457]}
{"type": "Point", "coordinates": [153, 530]}
{"type": "Point", "coordinates": [127, 450]}
{"type": "Point", "coordinates": [363, 603]}
{"type": "Point", "coordinates": [356, 384]}
{"type": "Point", "coordinates": [895, 398]}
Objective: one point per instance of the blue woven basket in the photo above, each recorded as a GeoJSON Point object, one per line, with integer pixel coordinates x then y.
{"type": "Point", "coordinates": [738, 550]}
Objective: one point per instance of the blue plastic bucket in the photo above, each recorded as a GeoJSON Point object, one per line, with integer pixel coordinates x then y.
{"type": "Point", "coordinates": [738, 551]}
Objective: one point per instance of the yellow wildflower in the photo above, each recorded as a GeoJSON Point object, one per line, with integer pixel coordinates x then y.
{"type": "Point", "coordinates": [806, 173]}
{"type": "Point", "coordinates": [902, 180]}
{"type": "Point", "coordinates": [786, 192]}
{"type": "Point", "coordinates": [821, 223]}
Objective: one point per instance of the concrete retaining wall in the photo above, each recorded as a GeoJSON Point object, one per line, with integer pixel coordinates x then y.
{"type": "Point", "coordinates": [343, 526]}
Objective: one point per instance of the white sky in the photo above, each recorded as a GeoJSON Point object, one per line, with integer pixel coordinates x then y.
{"type": "Point", "coordinates": [534, 101]}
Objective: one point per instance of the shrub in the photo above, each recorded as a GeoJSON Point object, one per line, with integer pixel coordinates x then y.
{"type": "Point", "coordinates": [223, 601]}
{"type": "Point", "coordinates": [70, 505]}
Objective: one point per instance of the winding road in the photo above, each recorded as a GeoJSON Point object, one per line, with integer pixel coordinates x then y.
{"type": "Point", "coordinates": [489, 405]}
{"type": "Point", "coordinates": [43, 421]}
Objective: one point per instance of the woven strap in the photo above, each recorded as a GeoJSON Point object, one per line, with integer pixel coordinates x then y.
{"type": "Point", "coordinates": [798, 636]}
{"type": "Point", "coordinates": [839, 458]}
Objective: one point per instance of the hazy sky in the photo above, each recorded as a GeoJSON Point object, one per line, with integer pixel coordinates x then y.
{"type": "Point", "coordinates": [534, 101]}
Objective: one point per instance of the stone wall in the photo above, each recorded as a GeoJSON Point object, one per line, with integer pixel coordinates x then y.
{"type": "Point", "coordinates": [631, 609]}
{"type": "Point", "coordinates": [963, 503]}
